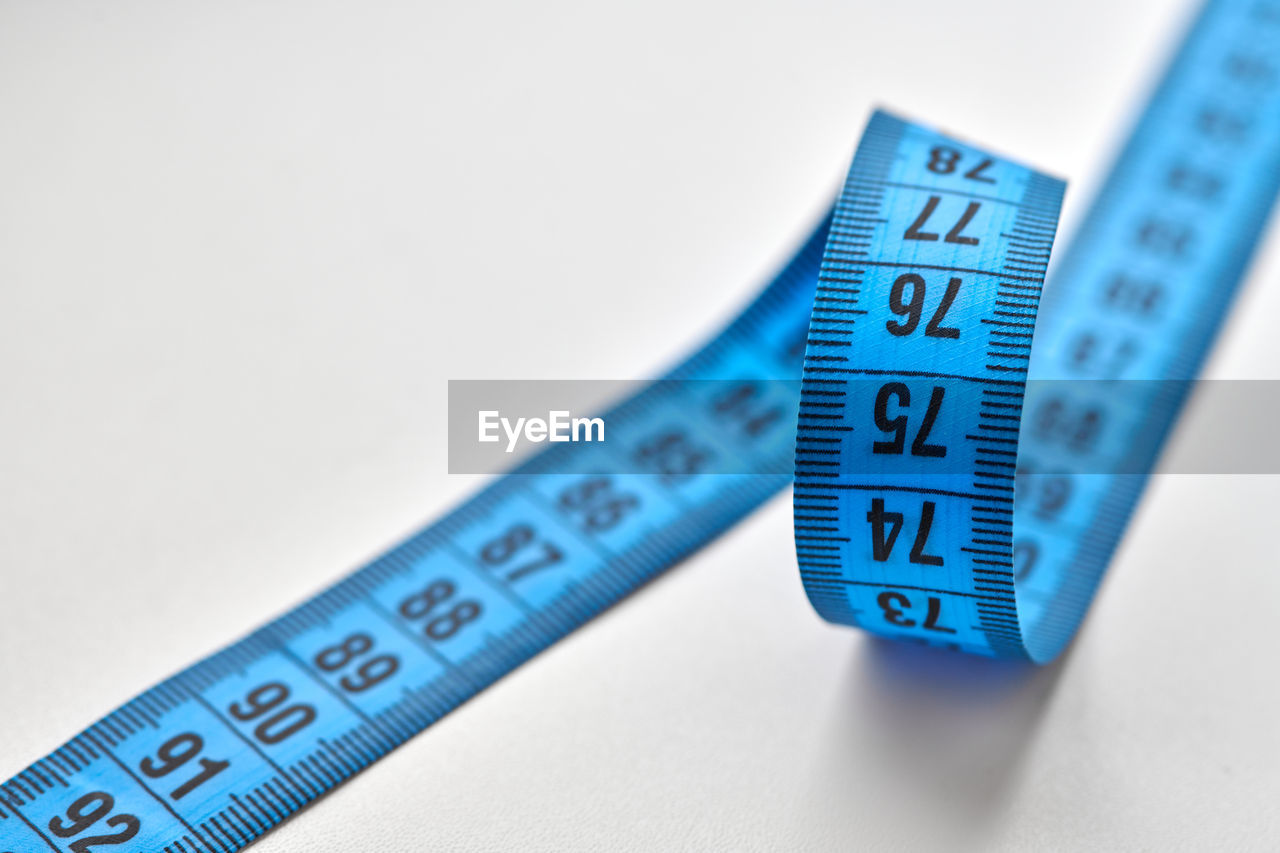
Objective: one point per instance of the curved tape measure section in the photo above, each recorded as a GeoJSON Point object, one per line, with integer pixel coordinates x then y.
{"type": "Point", "coordinates": [216, 755]}
{"type": "Point", "coordinates": [906, 518]}
{"type": "Point", "coordinates": [914, 380]}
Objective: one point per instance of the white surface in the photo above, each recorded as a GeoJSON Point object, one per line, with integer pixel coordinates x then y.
{"type": "Point", "coordinates": [238, 242]}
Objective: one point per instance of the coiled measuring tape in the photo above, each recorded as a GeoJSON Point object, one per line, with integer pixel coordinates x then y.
{"type": "Point", "coordinates": [913, 306]}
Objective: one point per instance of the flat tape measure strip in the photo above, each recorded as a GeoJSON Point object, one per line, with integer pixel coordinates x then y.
{"type": "Point", "coordinates": [918, 294]}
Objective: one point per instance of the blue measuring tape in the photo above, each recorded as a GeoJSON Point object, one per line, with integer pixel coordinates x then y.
{"type": "Point", "coordinates": [911, 309]}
